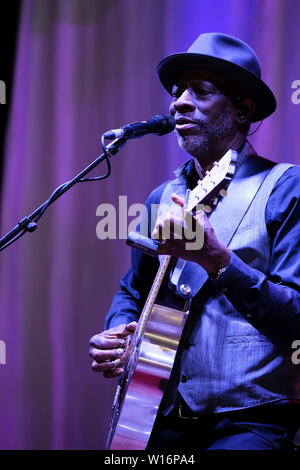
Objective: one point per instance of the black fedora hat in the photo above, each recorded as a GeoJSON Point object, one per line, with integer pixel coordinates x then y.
{"type": "Point", "coordinates": [227, 56]}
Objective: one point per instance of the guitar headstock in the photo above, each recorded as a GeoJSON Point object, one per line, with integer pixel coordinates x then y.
{"type": "Point", "coordinates": [215, 182]}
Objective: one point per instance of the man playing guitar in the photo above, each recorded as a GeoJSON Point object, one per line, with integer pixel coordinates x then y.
{"type": "Point", "coordinates": [233, 385]}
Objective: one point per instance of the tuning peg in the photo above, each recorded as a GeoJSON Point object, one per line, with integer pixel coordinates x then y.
{"type": "Point", "coordinates": [207, 209]}
{"type": "Point", "coordinates": [223, 192]}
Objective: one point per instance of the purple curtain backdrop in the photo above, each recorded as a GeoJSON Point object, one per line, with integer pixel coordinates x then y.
{"type": "Point", "coordinates": [82, 67]}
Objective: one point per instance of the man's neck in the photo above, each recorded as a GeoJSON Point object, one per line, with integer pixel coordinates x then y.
{"type": "Point", "coordinates": [206, 162]}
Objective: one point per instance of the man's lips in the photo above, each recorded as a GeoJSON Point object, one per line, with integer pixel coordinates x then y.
{"type": "Point", "coordinates": [183, 123]}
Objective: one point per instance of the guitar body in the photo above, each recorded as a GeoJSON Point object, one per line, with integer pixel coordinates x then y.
{"type": "Point", "coordinates": [135, 412]}
{"type": "Point", "coordinates": [154, 344]}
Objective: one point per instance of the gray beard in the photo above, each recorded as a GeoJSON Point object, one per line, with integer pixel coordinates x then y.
{"type": "Point", "coordinates": [200, 145]}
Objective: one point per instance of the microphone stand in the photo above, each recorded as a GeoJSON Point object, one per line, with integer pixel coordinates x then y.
{"type": "Point", "coordinates": [29, 223]}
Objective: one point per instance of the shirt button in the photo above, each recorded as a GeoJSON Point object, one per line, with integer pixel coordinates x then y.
{"type": "Point", "coordinates": [183, 378]}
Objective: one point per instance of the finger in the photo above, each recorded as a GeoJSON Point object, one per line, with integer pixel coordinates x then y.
{"type": "Point", "coordinates": [176, 228]}
{"type": "Point", "coordinates": [163, 225]}
{"type": "Point", "coordinates": [106, 366]}
{"type": "Point", "coordinates": [178, 200]}
{"type": "Point", "coordinates": [192, 225]}
{"type": "Point", "coordinates": [200, 216]}
{"type": "Point", "coordinates": [107, 341]}
{"type": "Point", "coordinates": [170, 226]}
{"type": "Point", "coordinates": [100, 355]}
{"type": "Point", "coordinates": [131, 326]}
{"type": "Point", "coordinates": [118, 331]}
{"type": "Point", "coordinates": [114, 373]}
{"type": "Point", "coordinates": [158, 229]}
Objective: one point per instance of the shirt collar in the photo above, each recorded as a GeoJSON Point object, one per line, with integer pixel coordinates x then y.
{"type": "Point", "coordinates": [187, 170]}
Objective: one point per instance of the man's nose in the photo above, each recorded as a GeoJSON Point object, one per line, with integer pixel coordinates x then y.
{"type": "Point", "coordinates": [183, 103]}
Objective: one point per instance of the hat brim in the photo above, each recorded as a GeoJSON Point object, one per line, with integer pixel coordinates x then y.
{"type": "Point", "coordinates": [170, 67]}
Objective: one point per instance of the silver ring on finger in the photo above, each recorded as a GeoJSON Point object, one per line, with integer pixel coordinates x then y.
{"type": "Point", "coordinates": [114, 363]}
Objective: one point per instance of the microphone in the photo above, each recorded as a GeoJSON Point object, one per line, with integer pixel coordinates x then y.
{"type": "Point", "coordinates": [159, 124]}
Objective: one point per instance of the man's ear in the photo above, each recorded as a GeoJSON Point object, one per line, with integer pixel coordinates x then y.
{"type": "Point", "coordinates": [244, 110]}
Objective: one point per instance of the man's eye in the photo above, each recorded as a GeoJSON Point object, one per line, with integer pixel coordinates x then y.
{"type": "Point", "coordinates": [201, 91]}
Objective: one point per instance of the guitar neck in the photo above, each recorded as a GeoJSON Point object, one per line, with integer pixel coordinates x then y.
{"type": "Point", "coordinates": [146, 312]}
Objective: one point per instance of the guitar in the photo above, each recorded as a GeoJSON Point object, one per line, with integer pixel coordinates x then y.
{"type": "Point", "coordinates": [152, 350]}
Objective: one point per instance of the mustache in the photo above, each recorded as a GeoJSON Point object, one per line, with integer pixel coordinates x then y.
{"type": "Point", "coordinates": [191, 119]}
{"type": "Point", "coordinates": [185, 117]}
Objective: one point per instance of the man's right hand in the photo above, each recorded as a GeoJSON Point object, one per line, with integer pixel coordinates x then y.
{"type": "Point", "coordinates": [108, 349]}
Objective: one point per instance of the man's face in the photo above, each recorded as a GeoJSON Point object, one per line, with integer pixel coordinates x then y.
{"type": "Point", "coordinates": [205, 116]}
